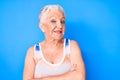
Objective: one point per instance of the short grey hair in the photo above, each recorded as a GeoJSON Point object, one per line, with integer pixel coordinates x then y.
{"type": "Point", "coordinates": [46, 9]}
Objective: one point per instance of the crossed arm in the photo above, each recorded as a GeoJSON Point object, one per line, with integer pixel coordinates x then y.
{"type": "Point", "coordinates": [77, 72]}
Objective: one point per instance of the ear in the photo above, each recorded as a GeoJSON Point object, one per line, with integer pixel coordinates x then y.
{"type": "Point", "coordinates": [41, 26]}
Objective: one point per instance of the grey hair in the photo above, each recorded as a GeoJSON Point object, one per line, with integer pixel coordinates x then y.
{"type": "Point", "coordinates": [46, 9]}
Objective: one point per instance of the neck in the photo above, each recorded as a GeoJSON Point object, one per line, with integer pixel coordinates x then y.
{"type": "Point", "coordinates": [53, 42]}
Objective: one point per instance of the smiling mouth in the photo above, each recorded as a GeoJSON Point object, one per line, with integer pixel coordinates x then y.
{"type": "Point", "coordinates": [58, 31]}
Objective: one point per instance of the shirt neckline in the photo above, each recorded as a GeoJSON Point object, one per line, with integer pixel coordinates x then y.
{"type": "Point", "coordinates": [56, 64]}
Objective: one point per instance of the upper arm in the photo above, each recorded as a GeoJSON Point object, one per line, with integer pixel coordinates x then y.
{"type": "Point", "coordinates": [29, 65]}
{"type": "Point", "coordinates": [76, 57]}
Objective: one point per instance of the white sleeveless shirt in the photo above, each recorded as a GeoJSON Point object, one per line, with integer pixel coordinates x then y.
{"type": "Point", "coordinates": [44, 68]}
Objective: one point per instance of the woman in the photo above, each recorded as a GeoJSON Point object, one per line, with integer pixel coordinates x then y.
{"type": "Point", "coordinates": [55, 58]}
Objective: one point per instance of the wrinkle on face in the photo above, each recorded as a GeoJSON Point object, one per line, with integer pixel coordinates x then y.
{"type": "Point", "coordinates": [54, 24]}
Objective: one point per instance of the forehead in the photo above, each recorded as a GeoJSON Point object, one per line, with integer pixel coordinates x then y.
{"type": "Point", "coordinates": [55, 14]}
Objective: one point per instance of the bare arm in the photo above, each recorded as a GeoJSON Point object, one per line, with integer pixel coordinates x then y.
{"type": "Point", "coordinates": [29, 66]}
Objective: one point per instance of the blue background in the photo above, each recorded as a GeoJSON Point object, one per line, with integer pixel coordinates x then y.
{"type": "Point", "coordinates": [94, 24]}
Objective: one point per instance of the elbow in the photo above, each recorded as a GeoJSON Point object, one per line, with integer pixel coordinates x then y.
{"type": "Point", "coordinates": [80, 76]}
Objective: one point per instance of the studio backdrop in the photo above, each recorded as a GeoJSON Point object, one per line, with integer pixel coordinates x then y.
{"type": "Point", "coordinates": [94, 24]}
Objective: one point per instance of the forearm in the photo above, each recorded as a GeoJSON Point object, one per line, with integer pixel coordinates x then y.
{"type": "Point", "coordinates": [71, 75]}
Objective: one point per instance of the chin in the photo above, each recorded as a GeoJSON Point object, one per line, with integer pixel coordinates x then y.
{"type": "Point", "coordinates": [58, 38]}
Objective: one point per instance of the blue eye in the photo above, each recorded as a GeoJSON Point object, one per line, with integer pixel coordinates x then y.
{"type": "Point", "coordinates": [53, 21]}
{"type": "Point", "coordinates": [62, 22]}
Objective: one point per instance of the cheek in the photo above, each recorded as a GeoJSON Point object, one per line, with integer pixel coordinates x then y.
{"type": "Point", "coordinates": [63, 29]}
{"type": "Point", "coordinates": [47, 27]}
{"type": "Point", "coordinates": [52, 25]}
{"type": "Point", "coordinates": [50, 29]}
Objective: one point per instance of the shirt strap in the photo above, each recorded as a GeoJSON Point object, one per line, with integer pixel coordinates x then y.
{"type": "Point", "coordinates": [67, 46]}
{"type": "Point", "coordinates": [36, 50]}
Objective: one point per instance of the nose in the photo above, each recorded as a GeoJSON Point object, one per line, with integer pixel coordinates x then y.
{"type": "Point", "coordinates": [59, 25]}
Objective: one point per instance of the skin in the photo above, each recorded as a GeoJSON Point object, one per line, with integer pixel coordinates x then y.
{"type": "Point", "coordinates": [52, 47]}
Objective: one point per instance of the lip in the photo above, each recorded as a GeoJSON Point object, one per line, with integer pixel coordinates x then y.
{"type": "Point", "coordinates": [58, 31]}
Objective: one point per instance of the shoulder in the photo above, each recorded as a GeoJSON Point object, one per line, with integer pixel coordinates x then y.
{"type": "Point", "coordinates": [74, 48]}
{"type": "Point", "coordinates": [73, 44]}
{"type": "Point", "coordinates": [75, 52]}
{"type": "Point", "coordinates": [30, 51]}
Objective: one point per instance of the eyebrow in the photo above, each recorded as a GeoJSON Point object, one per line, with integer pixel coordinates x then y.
{"type": "Point", "coordinates": [63, 18]}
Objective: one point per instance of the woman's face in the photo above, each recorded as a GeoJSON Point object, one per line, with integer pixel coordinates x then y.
{"type": "Point", "coordinates": [54, 25]}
